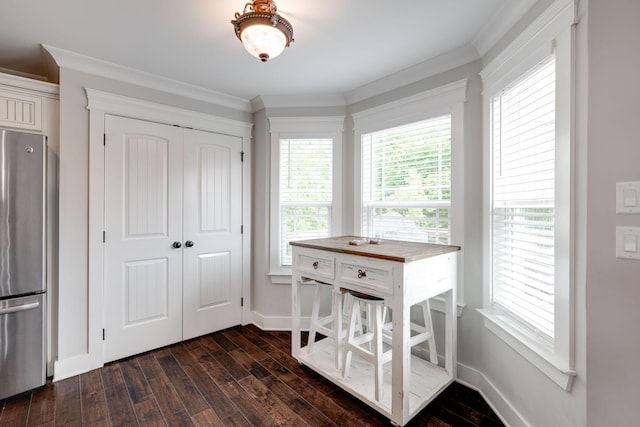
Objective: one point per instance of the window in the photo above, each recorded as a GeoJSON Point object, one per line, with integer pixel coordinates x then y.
{"type": "Point", "coordinates": [523, 190]}
{"type": "Point", "coordinates": [529, 180]}
{"type": "Point", "coordinates": [408, 177]}
{"type": "Point", "coordinates": [306, 191]}
{"type": "Point", "coordinates": [406, 181]}
{"type": "Point", "coordinates": [306, 159]}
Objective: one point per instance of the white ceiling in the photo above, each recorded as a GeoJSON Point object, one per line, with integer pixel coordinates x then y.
{"type": "Point", "coordinates": [340, 45]}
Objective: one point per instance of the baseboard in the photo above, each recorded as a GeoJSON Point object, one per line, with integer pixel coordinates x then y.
{"type": "Point", "coordinates": [476, 380]}
{"type": "Point", "coordinates": [76, 365]}
{"type": "Point", "coordinates": [278, 323]}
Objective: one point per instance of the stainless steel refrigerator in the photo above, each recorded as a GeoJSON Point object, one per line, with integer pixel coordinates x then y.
{"type": "Point", "coordinates": [22, 261]}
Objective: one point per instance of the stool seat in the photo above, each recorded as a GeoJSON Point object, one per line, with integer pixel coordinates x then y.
{"type": "Point", "coordinates": [361, 295]}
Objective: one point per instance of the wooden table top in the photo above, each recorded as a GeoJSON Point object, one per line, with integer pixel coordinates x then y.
{"type": "Point", "coordinates": [392, 250]}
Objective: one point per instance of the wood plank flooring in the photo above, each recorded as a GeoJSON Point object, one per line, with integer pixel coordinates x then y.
{"type": "Point", "coordinates": [241, 376]}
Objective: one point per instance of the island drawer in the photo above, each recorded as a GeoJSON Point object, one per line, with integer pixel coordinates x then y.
{"type": "Point", "coordinates": [315, 264]}
{"type": "Point", "coordinates": [377, 277]}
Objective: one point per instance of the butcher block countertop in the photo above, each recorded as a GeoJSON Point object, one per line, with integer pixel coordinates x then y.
{"type": "Point", "coordinates": [392, 250]}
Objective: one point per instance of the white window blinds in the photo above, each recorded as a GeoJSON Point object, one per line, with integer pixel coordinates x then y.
{"type": "Point", "coordinates": [523, 199]}
{"type": "Point", "coordinates": [306, 188]}
{"type": "Point", "coordinates": [406, 181]}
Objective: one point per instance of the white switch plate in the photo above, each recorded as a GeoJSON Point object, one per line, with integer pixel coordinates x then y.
{"type": "Point", "coordinates": [627, 239]}
{"type": "Point", "coordinates": [628, 197]}
{"type": "Point", "coordinates": [630, 243]}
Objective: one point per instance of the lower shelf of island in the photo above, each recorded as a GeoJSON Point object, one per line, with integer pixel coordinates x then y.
{"type": "Point", "coordinates": [426, 380]}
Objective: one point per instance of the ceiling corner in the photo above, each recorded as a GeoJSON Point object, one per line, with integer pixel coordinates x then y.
{"type": "Point", "coordinates": [79, 62]}
{"type": "Point", "coordinates": [447, 61]}
{"type": "Point", "coordinates": [501, 22]}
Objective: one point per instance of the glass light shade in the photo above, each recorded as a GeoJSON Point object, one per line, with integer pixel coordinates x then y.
{"type": "Point", "coordinates": [263, 41]}
{"type": "Point", "coordinates": [262, 31]}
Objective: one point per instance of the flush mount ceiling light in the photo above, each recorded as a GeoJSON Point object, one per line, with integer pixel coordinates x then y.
{"type": "Point", "coordinates": [261, 30]}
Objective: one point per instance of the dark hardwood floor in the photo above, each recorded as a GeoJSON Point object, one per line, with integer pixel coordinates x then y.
{"type": "Point", "coordinates": [238, 377]}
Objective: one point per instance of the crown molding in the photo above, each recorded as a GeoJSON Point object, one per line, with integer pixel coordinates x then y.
{"type": "Point", "coordinates": [445, 62]}
{"type": "Point", "coordinates": [98, 67]}
{"type": "Point", "coordinates": [23, 74]}
{"type": "Point", "coordinates": [413, 108]}
{"type": "Point", "coordinates": [499, 24]}
{"type": "Point", "coordinates": [309, 100]}
{"type": "Point", "coordinates": [536, 38]}
{"type": "Point", "coordinates": [51, 90]}
{"type": "Point", "coordinates": [309, 125]}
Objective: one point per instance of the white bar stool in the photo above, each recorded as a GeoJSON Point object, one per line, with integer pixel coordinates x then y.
{"type": "Point", "coordinates": [419, 332]}
{"type": "Point", "coordinates": [368, 345]}
{"type": "Point", "coordinates": [331, 325]}
{"type": "Point", "coordinates": [425, 332]}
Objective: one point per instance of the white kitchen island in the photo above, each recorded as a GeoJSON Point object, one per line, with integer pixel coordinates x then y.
{"type": "Point", "coordinates": [403, 274]}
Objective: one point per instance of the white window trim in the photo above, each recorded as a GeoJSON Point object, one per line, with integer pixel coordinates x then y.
{"type": "Point", "coordinates": [447, 99]}
{"type": "Point", "coordinates": [299, 128]}
{"type": "Point", "coordinates": [551, 30]}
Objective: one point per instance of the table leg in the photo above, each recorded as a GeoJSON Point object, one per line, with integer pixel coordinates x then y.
{"type": "Point", "coordinates": [401, 362]}
{"type": "Point", "coordinates": [295, 315]}
{"type": "Point", "coordinates": [450, 332]}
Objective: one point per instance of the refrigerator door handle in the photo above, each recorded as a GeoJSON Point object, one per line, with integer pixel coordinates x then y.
{"type": "Point", "coordinates": [18, 308]}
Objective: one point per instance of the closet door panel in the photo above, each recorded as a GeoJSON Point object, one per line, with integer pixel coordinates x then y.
{"type": "Point", "coordinates": [212, 222]}
{"type": "Point", "coordinates": [214, 284]}
{"type": "Point", "coordinates": [143, 217]}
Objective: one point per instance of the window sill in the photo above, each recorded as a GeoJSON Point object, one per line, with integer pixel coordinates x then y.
{"type": "Point", "coordinates": [541, 357]}
{"type": "Point", "coordinates": [280, 277]}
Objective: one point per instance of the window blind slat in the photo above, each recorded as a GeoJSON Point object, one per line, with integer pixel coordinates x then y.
{"type": "Point", "coordinates": [523, 197]}
{"type": "Point", "coordinates": [406, 181]}
{"type": "Point", "coordinates": [306, 191]}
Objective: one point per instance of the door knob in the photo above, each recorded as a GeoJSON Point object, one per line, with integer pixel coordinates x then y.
{"type": "Point", "coordinates": [188, 243]}
{"type": "Point", "coordinates": [176, 245]}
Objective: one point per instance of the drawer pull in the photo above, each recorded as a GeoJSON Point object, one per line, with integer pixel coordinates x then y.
{"type": "Point", "coordinates": [361, 274]}
{"type": "Point", "coordinates": [315, 265]}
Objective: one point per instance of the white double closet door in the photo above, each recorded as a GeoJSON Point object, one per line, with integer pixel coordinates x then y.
{"type": "Point", "coordinates": [173, 243]}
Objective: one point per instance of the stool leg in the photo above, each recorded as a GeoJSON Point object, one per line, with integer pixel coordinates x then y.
{"type": "Point", "coordinates": [351, 329]}
{"type": "Point", "coordinates": [428, 325]}
{"type": "Point", "coordinates": [367, 313]}
{"type": "Point", "coordinates": [359, 324]}
{"type": "Point", "coordinates": [377, 349]}
{"type": "Point", "coordinates": [315, 313]}
{"type": "Point", "coordinates": [346, 298]}
{"type": "Point", "coordinates": [336, 309]}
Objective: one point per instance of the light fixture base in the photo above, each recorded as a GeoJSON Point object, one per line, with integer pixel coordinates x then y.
{"type": "Point", "coordinates": [262, 31]}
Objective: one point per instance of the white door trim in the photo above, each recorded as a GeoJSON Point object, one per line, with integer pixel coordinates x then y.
{"type": "Point", "coordinates": [101, 103]}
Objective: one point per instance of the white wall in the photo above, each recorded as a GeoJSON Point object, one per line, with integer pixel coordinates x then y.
{"type": "Point", "coordinates": [608, 80]}
{"type": "Point", "coordinates": [271, 301]}
{"type": "Point", "coordinates": [469, 322]}
{"type": "Point", "coordinates": [514, 386]}
{"type": "Point", "coordinates": [613, 285]}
